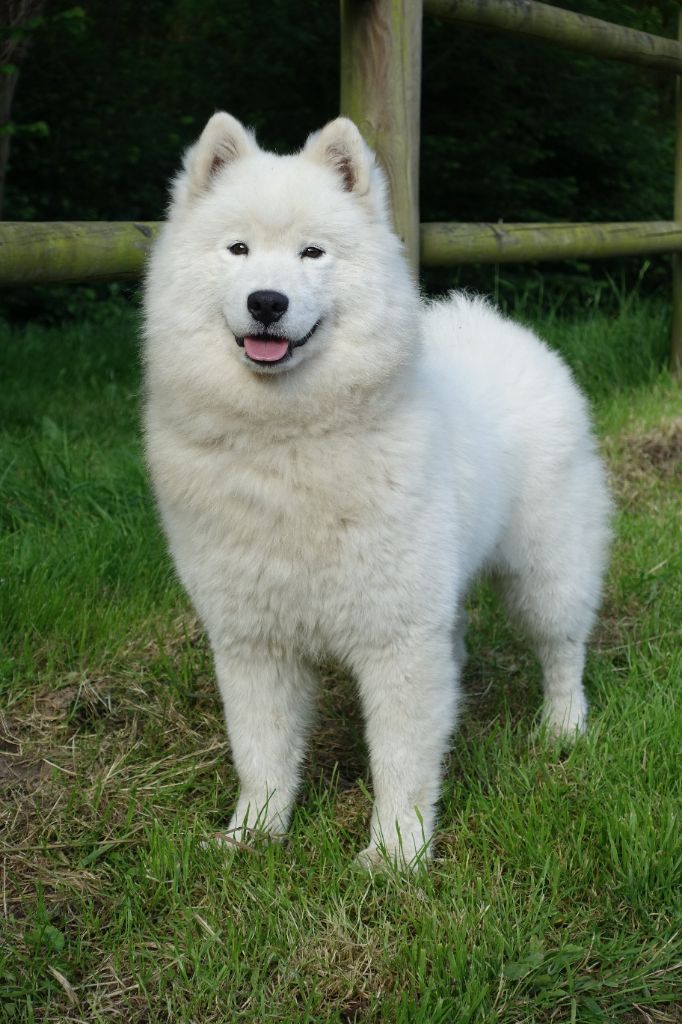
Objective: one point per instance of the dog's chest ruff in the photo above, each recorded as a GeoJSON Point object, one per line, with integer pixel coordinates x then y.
{"type": "Point", "coordinates": [292, 537]}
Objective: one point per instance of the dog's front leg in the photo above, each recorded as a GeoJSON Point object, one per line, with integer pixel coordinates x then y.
{"type": "Point", "coordinates": [410, 696]}
{"type": "Point", "coordinates": [267, 702]}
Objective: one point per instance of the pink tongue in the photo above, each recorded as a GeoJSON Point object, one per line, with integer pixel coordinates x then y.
{"type": "Point", "coordinates": [268, 351]}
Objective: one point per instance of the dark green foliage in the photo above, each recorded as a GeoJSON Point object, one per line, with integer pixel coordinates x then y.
{"type": "Point", "coordinates": [140, 86]}
{"type": "Point", "coordinates": [511, 129]}
{"type": "Point", "coordinates": [516, 130]}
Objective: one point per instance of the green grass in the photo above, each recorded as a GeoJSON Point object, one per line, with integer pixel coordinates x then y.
{"type": "Point", "coordinates": [555, 890]}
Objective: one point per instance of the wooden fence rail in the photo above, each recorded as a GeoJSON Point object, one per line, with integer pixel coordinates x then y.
{"type": "Point", "coordinates": [447, 244]}
{"type": "Point", "coordinates": [380, 90]}
{"type": "Point", "coordinates": [67, 252]}
{"type": "Point", "coordinates": [104, 251]}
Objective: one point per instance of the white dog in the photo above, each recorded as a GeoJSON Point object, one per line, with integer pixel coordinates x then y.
{"type": "Point", "coordinates": [335, 461]}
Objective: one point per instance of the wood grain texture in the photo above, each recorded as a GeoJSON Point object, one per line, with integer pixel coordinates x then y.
{"type": "Point", "coordinates": [381, 93]}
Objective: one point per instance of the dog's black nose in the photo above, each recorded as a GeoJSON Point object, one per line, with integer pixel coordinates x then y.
{"type": "Point", "coordinates": [267, 307]}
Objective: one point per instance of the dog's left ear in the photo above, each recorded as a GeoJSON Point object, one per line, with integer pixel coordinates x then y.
{"type": "Point", "coordinates": [340, 146]}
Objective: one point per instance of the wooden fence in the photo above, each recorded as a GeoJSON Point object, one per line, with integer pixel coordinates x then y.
{"type": "Point", "coordinates": [380, 91]}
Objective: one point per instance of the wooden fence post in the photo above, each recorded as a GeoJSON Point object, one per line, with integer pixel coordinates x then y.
{"type": "Point", "coordinates": [676, 345]}
{"type": "Point", "coordinates": [381, 91]}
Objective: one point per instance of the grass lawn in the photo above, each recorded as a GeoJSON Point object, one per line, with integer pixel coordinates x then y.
{"type": "Point", "coordinates": [555, 890]}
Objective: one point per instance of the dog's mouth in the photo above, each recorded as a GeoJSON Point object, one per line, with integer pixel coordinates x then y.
{"type": "Point", "coordinates": [270, 350]}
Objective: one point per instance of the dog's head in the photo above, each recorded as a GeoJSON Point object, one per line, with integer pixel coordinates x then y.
{"type": "Point", "coordinates": [282, 264]}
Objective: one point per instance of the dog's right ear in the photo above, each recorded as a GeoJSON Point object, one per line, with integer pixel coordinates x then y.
{"type": "Point", "coordinates": [223, 140]}
{"type": "Point", "coordinates": [340, 146]}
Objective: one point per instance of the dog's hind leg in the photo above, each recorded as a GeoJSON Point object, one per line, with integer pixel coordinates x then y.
{"type": "Point", "coordinates": [561, 650]}
{"type": "Point", "coordinates": [554, 560]}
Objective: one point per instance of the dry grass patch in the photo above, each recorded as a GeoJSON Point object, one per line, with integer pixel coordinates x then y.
{"type": "Point", "coordinates": [644, 458]}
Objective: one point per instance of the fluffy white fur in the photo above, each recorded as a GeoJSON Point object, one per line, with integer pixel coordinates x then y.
{"type": "Point", "coordinates": [339, 504]}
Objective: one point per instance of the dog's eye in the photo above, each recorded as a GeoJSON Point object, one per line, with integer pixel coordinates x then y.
{"type": "Point", "coordinates": [312, 252]}
{"type": "Point", "coordinates": [239, 249]}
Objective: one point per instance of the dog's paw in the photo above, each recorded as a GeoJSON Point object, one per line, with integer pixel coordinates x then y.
{"type": "Point", "coordinates": [372, 859]}
{"type": "Point", "coordinates": [379, 860]}
{"type": "Point", "coordinates": [565, 729]}
{"type": "Point", "coordinates": [565, 719]}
